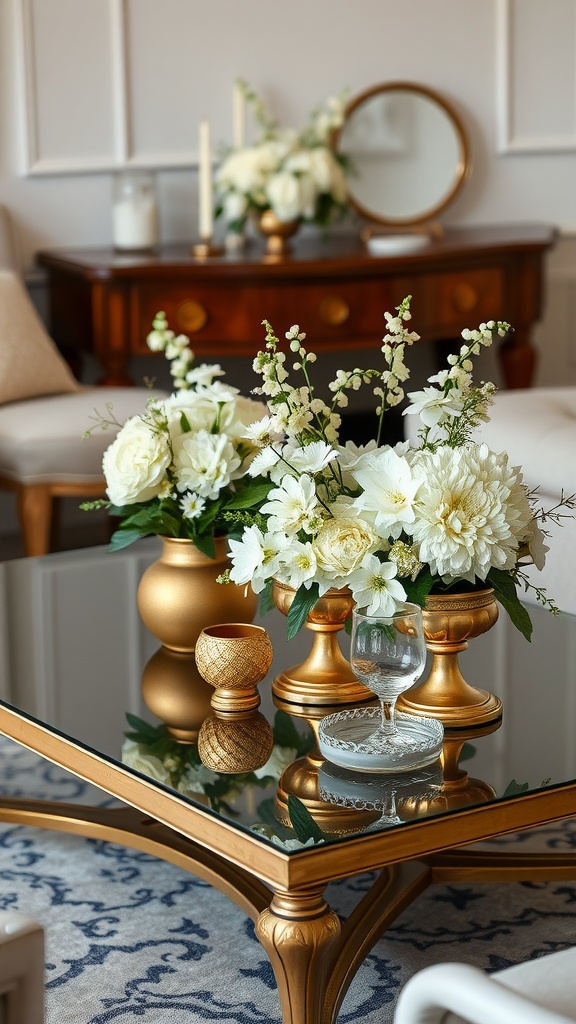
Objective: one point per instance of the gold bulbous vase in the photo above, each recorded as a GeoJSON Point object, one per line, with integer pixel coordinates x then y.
{"type": "Point", "coordinates": [174, 691]}
{"type": "Point", "coordinates": [276, 232]}
{"type": "Point", "coordinates": [178, 594]}
{"type": "Point", "coordinates": [450, 620]}
{"type": "Point", "coordinates": [325, 677]}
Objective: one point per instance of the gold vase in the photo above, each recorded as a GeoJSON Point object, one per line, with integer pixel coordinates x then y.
{"type": "Point", "coordinates": [458, 790]}
{"type": "Point", "coordinates": [174, 691]}
{"type": "Point", "coordinates": [450, 620]}
{"type": "Point", "coordinates": [276, 232]}
{"type": "Point", "coordinates": [178, 594]}
{"type": "Point", "coordinates": [325, 677]}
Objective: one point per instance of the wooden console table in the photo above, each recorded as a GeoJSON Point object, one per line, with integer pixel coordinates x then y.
{"type": "Point", "coordinates": [104, 301]}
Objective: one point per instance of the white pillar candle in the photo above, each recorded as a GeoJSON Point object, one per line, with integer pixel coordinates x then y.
{"type": "Point", "coordinates": [205, 183]}
{"type": "Point", "coordinates": [239, 118]}
{"type": "Point", "coordinates": [134, 211]}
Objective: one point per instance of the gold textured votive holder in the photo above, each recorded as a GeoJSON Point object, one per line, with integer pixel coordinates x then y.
{"type": "Point", "coordinates": [234, 657]}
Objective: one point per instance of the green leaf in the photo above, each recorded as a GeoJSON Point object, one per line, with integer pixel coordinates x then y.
{"type": "Point", "coordinates": [249, 496]}
{"type": "Point", "coordinates": [152, 732]}
{"type": "Point", "coordinates": [205, 544]}
{"type": "Point", "coordinates": [302, 821]}
{"type": "Point", "coordinates": [286, 734]}
{"type": "Point", "coordinates": [468, 751]}
{"type": "Point", "coordinates": [267, 815]}
{"type": "Point", "coordinates": [302, 604]}
{"type": "Point", "coordinates": [266, 602]}
{"type": "Point", "coordinates": [417, 590]}
{"type": "Point", "coordinates": [513, 788]}
{"type": "Point", "coordinates": [186, 428]}
{"type": "Point", "coordinates": [505, 590]}
{"type": "Point", "coordinates": [122, 538]}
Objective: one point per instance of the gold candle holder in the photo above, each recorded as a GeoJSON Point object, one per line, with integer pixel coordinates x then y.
{"type": "Point", "coordinates": [205, 249]}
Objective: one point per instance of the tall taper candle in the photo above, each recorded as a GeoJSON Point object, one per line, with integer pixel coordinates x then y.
{"type": "Point", "coordinates": [205, 183]}
{"type": "Point", "coordinates": [239, 116]}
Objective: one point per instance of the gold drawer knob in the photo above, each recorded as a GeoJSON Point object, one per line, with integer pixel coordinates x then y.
{"type": "Point", "coordinates": [191, 316]}
{"type": "Point", "coordinates": [465, 297]}
{"type": "Point", "coordinates": [334, 310]}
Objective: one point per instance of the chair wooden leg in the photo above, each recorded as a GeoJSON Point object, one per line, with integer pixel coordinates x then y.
{"type": "Point", "coordinates": [35, 514]}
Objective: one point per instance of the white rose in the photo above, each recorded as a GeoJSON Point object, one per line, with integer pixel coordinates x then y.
{"type": "Point", "coordinates": [340, 546]}
{"type": "Point", "coordinates": [134, 755]}
{"type": "Point", "coordinates": [200, 410]}
{"type": "Point", "coordinates": [135, 464]}
{"type": "Point", "coordinates": [235, 206]}
{"type": "Point", "coordinates": [284, 195]}
{"type": "Point", "coordinates": [204, 463]}
{"type": "Point", "coordinates": [239, 415]}
{"type": "Point", "coordinates": [327, 174]}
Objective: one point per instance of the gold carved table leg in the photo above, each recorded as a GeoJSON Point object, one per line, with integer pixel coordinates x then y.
{"type": "Point", "coordinates": [300, 933]}
{"type": "Point", "coordinates": [314, 956]}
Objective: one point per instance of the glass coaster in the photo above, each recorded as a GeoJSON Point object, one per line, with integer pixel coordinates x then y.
{"type": "Point", "coordinates": [345, 739]}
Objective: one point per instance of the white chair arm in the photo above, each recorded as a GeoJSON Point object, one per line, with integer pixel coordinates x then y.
{"type": "Point", "coordinates": [473, 996]}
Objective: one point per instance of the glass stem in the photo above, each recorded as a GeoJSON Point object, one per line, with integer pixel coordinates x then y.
{"type": "Point", "coordinates": [388, 724]}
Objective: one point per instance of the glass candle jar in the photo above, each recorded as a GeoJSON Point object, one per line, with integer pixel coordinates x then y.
{"type": "Point", "coordinates": [134, 210]}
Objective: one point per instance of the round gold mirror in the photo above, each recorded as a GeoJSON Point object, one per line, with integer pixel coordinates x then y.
{"type": "Point", "coordinates": [408, 153]}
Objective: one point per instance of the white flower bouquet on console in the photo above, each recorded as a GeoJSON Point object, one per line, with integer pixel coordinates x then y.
{"type": "Point", "coordinates": [391, 523]}
{"type": "Point", "coordinates": [297, 175]}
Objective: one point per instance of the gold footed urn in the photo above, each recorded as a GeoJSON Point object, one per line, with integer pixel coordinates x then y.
{"type": "Point", "coordinates": [178, 594]}
{"type": "Point", "coordinates": [450, 620]}
{"type": "Point", "coordinates": [325, 677]}
{"type": "Point", "coordinates": [276, 232]}
{"type": "Point", "coordinates": [233, 658]}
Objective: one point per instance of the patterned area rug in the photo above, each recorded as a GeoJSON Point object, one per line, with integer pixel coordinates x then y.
{"type": "Point", "coordinates": [130, 938]}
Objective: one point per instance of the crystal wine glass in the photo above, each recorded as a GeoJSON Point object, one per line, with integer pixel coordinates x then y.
{"type": "Point", "coordinates": [388, 654]}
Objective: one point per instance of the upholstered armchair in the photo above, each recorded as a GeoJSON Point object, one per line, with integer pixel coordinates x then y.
{"type": "Point", "coordinates": [541, 991]}
{"type": "Point", "coordinates": [44, 413]}
{"type": "Point", "coordinates": [21, 969]}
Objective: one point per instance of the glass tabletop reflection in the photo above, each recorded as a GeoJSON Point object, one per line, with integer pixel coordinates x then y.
{"type": "Point", "coordinates": [77, 658]}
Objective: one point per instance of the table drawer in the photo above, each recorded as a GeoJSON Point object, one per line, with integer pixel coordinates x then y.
{"type": "Point", "coordinates": [466, 299]}
{"type": "Point", "coordinates": [230, 318]}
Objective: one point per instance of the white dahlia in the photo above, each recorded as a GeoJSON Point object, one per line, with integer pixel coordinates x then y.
{"type": "Point", "coordinates": [472, 511]}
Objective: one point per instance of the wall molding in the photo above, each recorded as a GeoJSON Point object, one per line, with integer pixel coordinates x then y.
{"type": "Point", "coordinates": [123, 155]}
{"type": "Point", "coordinates": [508, 141]}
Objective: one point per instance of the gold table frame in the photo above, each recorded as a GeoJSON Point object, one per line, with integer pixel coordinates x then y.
{"type": "Point", "coordinates": [313, 954]}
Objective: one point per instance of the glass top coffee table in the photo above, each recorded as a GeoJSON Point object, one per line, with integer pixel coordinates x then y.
{"type": "Point", "coordinates": [76, 658]}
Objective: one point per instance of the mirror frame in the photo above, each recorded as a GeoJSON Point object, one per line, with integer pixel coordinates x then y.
{"type": "Point", "coordinates": [463, 164]}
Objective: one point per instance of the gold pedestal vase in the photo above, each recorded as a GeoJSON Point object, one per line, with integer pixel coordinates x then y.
{"type": "Point", "coordinates": [325, 677]}
{"type": "Point", "coordinates": [450, 620]}
{"type": "Point", "coordinates": [301, 779]}
{"type": "Point", "coordinates": [276, 232]}
{"type": "Point", "coordinates": [178, 594]}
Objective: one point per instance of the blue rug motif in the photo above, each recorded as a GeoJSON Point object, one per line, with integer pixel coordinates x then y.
{"type": "Point", "coordinates": [133, 939]}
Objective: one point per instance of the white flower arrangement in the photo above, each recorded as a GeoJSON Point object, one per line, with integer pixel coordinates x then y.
{"type": "Point", "coordinates": [297, 175]}
{"type": "Point", "coordinates": [392, 523]}
{"type": "Point", "coordinates": [176, 468]}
